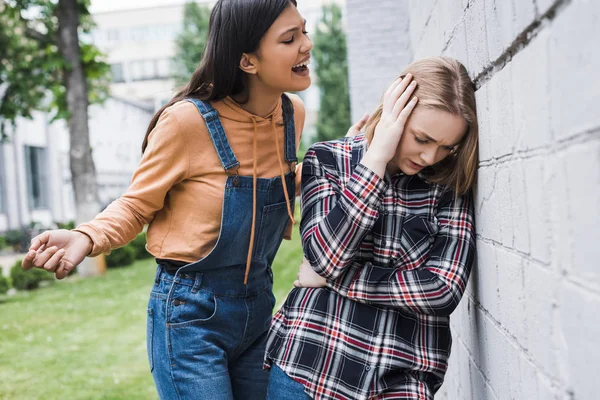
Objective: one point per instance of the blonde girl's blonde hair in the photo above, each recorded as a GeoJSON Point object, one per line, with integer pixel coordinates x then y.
{"type": "Point", "coordinates": [444, 84]}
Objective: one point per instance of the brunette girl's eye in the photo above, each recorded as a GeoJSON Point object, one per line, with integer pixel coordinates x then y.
{"type": "Point", "coordinates": [305, 32]}
{"type": "Point", "coordinates": [289, 41]}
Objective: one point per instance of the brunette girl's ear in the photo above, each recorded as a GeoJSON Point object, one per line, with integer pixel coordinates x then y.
{"type": "Point", "coordinates": [247, 64]}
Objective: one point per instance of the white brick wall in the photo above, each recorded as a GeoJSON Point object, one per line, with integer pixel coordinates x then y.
{"type": "Point", "coordinates": [528, 325]}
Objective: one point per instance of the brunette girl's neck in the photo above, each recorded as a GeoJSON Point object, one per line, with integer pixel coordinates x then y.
{"type": "Point", "coordinates": [257, 99]}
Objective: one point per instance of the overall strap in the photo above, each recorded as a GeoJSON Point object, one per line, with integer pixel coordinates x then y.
{"type": "Point", "coordinates": [290, 129]}
{"type": "Point", "coordinates": [217, 134]}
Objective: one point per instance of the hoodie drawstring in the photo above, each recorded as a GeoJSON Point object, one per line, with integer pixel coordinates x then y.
{"type": "Point", "coordinates": [249, 259]}
{"type": "Point", "coordinates": [287, 199]}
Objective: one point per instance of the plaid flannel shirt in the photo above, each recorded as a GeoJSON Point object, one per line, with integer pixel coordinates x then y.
{"type": "Point", "coordinates": [396, 254]}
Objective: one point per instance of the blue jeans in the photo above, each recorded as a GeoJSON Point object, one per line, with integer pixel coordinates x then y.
{"type": "Point", "coordinates": [203, 343]}
{"type": "Point", "coordinates": [282, 387]}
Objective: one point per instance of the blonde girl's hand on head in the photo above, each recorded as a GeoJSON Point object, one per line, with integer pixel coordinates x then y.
{"type": "Point", "coordinates": [307, 277]}
{"type": "Point", "coordinates": [58, 251]}
{"type": "Point", "coordinates": [397, 106]}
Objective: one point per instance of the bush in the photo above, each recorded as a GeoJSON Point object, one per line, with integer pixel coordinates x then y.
{"type": "Point", "coordinates": [66, 225]}
{"type": "Point", "coordinates": [4, 285]}
{"type": "Point", "coordinates": [3, 243]}
{"type": "Point", "coordinates": [18, 239]}
{"type": "Point", "coordinates": [139, 245]}
{"type": "Point", "coordinates": [28, 280]}
{"type": "Point", "coordinates": [121, 257]}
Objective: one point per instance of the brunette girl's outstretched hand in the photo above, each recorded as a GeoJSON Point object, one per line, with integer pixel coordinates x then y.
{"type": "Point", "coordinates": [307, 277]}
{"type": "Point", "coordinates": [58, 251]}
{"type": "Point", "coordinates": [397, 106]}
{"type": "Point", "coordinates": [358, 127]}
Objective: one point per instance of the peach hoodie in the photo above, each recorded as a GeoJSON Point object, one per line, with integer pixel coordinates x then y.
{"type": "Point", "coordinates": [178, 187]}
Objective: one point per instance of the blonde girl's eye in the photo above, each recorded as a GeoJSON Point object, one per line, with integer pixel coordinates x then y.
{"type": "Point", "coordinates": [421, 141]}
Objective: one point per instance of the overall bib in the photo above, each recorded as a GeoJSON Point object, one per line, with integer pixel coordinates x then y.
{"type": "Point", "coordinates": [206, 330]}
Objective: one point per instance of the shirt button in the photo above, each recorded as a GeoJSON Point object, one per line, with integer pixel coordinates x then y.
{"type": "Point", "coordinates": [376, 333]}
{"type": "Point", "coordinates": [368, 368]}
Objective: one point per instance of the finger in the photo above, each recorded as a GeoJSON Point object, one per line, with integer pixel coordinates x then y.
{"type": "Point", "coordinates": [64, 268]}
{"type": "Point", "coordinates": [403, 99]}
{"type": "Point", "coordinates": [388, 99]}
{"type": "Point", "coordinates": [40, 250]}
{"type": "Point", "coordinates": [297, 283]}
{"type": "Point", "coordinates": [42, 257]}
{"type": "Point", "coordinates": [53, 262]}
{"type": "Point", "coordinates": [392, 86]}
{"type": "Point", "coordinates": [398, 90]}
{"type": "Point", "coordinates": [363, 121]}
{"type": "Point", "coordinates": [39, 240]}
{"type": "Point", "coordinates": [27, 262]}
{"type": "Point", "coordinates": [403, 117]}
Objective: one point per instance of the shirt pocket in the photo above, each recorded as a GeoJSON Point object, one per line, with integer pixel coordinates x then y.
{"type": "Point", "coordinates": [416, 239]}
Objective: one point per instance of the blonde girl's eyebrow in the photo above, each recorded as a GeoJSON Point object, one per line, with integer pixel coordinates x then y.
{"type": "Point", "coordinates": [426, 136]}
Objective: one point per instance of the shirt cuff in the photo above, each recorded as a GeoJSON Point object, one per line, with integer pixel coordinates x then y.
{"type": "Point", "coordinates": [366, 184]}
{"type": "Point", "coordinates": [100, 243]}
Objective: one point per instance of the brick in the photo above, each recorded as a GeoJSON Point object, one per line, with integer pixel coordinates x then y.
{"type": "Point", "coordinates": [431, 42]}
{"type": "Point", "coordinates": [555, 187]}
{"type": "Point", "coordinates": [501, 113]}
{"type": "Point", "coordinates": [524, 15]}
{"type": "Point", "coordinates": [538, 209]}
{"type": "Point", "coordinates": [476, 44]}
{"type": "Point", "coordinates": [483, 120]}
{"type": "Point", "coordinates": [582, 164]}
{"type": "Point", "coordinates": [457, 44]}
{"type": "Point", "coordinates": [540, 313]}
{"type": "Point", "coordinates": [511, 294]}
{"type": "Point", "coordinates": [520, 220]}
{"type": "Point", "coordinates": [485, 278]}
{"type": "Point", "coordinates": [544, 5]}
{"type": "Point", "coordinates": [531, 95]}
{"type": "Point", "coordinates": [502, 192]}
{"type": "Point", "coordinates": [487, 213]}
{"type": "Point", "coordinates": [580, 329]}
{"type": "Point", "coordinates": [450, 15]}
{"type": "Point", "coordinates": [499, 26]}
{"type": "Point", "coordinates": [574, 93]}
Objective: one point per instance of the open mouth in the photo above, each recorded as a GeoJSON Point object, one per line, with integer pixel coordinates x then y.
{"type": "Point", "coordinates": [415, 165]}
{"type": "Point", "coordinates": [301, 68]}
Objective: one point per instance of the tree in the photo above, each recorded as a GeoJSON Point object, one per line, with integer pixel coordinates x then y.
{"type": "Point", "coordinates": [46, 66]}
{"type": "Point", "coordinates": [332, 74]}
{"type": "Point", "coordinates": [191, 41]}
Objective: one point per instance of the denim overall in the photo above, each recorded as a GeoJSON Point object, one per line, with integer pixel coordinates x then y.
{"type": "Point", "coordinates": [207, 330]}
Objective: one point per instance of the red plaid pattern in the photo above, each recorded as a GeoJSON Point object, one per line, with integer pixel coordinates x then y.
{"type": "Point", "coordinates": [396, 254]}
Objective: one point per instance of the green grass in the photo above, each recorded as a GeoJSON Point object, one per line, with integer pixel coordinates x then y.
{"type": "Point", "coordinates": [85, 338]}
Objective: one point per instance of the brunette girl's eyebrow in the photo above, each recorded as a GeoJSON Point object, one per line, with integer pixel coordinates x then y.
{"type": "Point", "coordinates": [294, 28]}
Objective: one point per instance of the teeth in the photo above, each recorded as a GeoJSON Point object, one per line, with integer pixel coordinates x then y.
{"type": "Point", "coordinates": [303, 64]}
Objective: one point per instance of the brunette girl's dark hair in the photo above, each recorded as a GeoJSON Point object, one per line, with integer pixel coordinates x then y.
{"type": "Point", "coordinates": [236, 27]}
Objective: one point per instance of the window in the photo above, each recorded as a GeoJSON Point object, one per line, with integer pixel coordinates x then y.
{"type": "Point", "coordinates": [117, 72]}
{"type": "Point", "coordinates": [149, 69]}
{"type": "Point", "coordinates": [36, 166]}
